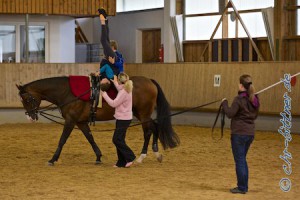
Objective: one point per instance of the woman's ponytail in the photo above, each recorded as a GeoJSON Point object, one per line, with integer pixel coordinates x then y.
{"type": "Point", "coordinates": [251, 92]}
{"type": "Point", "coordinates": [128, 85]}
{"type": "Point", "coordinates": [246, 81]}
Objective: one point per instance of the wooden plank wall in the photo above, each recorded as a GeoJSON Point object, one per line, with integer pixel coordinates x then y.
{"type": "Point", "coordinates": [12, 74]}
{"type": "Point", "coordinates": [57, 7]}
{"type": "Point", "coordinates": [185, 85]}
{"type": "Point", "coordinates": [291, 48]}
{"type": "Point", "coordinates": [191, 84]}
{"type": "Point", "coordinates": [193, 50]}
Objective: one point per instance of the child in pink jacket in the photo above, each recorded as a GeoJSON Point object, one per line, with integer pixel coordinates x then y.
{"type": "Point", "coordinates": [123, 114]}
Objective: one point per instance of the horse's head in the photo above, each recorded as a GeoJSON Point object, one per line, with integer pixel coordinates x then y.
{"type": "Point", "coordinates": [30, 102]}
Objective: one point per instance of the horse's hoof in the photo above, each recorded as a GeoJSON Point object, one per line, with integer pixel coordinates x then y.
{"type": "Point", "coordinates": [141, 158]}
{"type": "Point", "coordinates": [50, 163]}
{"type": "Point", "coordinates": [98, 162]}
{"type": "Point", "coordinates": [160, 158]}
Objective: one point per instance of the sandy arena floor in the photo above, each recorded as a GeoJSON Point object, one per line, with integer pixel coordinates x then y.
{"type": "Point", "coordinates": [200, 168]}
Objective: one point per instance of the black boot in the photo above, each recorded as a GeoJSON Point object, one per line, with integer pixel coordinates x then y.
{"type": "Point", "coordinates": [101, 11]}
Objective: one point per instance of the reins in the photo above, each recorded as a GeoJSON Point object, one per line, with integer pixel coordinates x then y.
{"type": "Point", "coordinates": [171, 115]}
{"type": "Point", "coordinates": [59, 106]}
{"type": "Point", "coordinates": [222, 113]}
{"type": "Point", "coordinates": [43, 114]}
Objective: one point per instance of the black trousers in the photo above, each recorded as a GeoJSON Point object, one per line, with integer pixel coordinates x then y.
{"type": "Point", "coordinates": [107, 50]}
{"type": "Point", "coordinates": [106, 42]}
{"type": "Point", "coordinates": [125, 154]}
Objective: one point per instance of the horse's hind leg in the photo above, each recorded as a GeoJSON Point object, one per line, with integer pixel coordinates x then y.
{"type": "Point", "coordinates": [149, 128]}
{"type": "Point", "coordinates": [88, 135]}
{"type": "Point", "coordinates": [155, 143]}
{"type": "Point", "coordinates": [68, 127]}
{"type": "Point", "coordinates": [147, 136]}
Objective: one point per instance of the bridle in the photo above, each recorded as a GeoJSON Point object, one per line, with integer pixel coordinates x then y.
{"type": "Point", "coordinates": [31, 101]}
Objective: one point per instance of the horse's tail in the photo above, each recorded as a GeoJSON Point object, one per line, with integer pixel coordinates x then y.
{"type": "Point", "coordinates": [166, 134]}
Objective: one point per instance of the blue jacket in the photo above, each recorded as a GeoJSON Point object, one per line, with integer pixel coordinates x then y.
{"type": "Point", "coordinates": [119, 63]}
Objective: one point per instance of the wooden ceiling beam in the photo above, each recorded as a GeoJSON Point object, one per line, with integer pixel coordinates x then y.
{"type": "Point", "coordinates": [74, 8]}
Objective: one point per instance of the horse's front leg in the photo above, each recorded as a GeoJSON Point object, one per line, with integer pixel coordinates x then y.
{"type": "Point", "coordinates": [88, 135]}
{"type": "Point", "coordinates": [68, 128]}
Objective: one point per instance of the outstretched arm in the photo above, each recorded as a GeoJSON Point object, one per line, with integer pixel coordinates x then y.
{"type": "Point", "coordinates": [230, 111]}
{"type": "Point", "coordinates": [117, 101]}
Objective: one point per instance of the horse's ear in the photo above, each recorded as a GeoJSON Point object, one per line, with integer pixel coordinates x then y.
{"type": "Point", "coordinates": [20, 87]}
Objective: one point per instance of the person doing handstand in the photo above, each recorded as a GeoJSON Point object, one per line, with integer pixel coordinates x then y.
{"type": "Point", "coordinates": [112, 64]}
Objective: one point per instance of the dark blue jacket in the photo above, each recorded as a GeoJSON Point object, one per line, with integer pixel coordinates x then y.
{"type": "Point", "coordinates": [119, 62]}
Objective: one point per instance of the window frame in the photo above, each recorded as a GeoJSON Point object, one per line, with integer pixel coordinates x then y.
{"type": "Point", "coordinates": [2, 24]}
{"type": "Point", "coordinates": [18, 35]}
{"type": "Point", "coordinates": [212, 14]}
{"type": "Point", "coordinates": [138, 10]}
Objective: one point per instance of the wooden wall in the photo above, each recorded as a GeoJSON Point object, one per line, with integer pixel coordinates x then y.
{"type": "Point", "coordinates": [191, 84]}
{"type": "Point", "coordinates": [193, 50]}
{"type": "Point", "coordinates": [185, 85]}
{"type": "Point", "coordinates": [12, 74]}
{"type": "Point", "coordinates": [57, 7]}
{"type": "Point", "coordinates": [291, 46]}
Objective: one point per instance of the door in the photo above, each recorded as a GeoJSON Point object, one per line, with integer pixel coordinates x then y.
{"type": "Point", "coordinates": [151, 42]}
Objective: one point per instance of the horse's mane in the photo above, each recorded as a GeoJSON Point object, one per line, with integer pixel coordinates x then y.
{"type": "Point", "coordinates": [50, 79]}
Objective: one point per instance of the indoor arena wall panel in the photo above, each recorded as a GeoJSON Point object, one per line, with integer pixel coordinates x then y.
{"type": "Point", "coordinates": [185, 85]}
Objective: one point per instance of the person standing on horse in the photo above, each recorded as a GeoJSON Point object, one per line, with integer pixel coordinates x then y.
{"type": "Point", "coordinates": [113, 62]}
{"type": "Point", "coordinates": [123, 114]}
{"type": "Point", "coordinates": [243, 112]}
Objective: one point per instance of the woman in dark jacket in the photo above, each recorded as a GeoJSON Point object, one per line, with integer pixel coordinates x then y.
{"type": "Point", "coordinates": [243, 112]}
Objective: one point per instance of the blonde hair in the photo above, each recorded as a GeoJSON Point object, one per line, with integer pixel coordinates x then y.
{"type": "Point", "coordinates": [124, 79]}
{"type": "Point", "coordinates": [246, 81]}
{"type": "Point", "coordinates": [114, 44]}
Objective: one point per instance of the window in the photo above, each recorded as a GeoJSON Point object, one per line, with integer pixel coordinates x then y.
{"type": "Point", "coordinates": [7, 43]}
{"type": "Point", "coordinates": [253, 22]}
{"type": "Point", "coordinates": [201, 6]}
{"type": "Point", "coordinates": [13, 43]}
{"type": "Point", "coordinates": [202, 27]}
{"type": "Point", "coordinates": [36, 44]}
{"type": "Point", "coordinates": [195, 30]}
{"type": "Point", "coordinates": [252, 4]}
{"type": "Point", "coordinates": [134, 5]}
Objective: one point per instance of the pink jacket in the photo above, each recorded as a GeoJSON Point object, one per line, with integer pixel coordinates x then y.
{"type": "Point", "coordinates": [122, 103]}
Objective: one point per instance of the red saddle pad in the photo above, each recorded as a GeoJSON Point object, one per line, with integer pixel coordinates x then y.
{"type": "Point", "coordinates": [81, 84]}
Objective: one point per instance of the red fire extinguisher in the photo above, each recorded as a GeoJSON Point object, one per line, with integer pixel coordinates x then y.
{"type": "Point", "coordinates": [161, 53]}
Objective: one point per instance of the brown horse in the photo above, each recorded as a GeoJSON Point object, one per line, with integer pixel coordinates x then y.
{"type": "Point", "coordinates": [147, 95]}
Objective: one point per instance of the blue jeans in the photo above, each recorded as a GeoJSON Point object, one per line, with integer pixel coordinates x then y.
{"type": "Point", "coordinates": [107, 70]}
{"type": "Point", "coordinates": [240, 145]}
